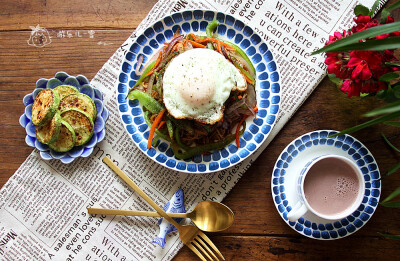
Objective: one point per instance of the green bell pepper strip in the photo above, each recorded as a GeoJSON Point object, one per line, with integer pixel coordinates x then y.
{"type": "Point", "coordinates": [243, 54]}
{"type": "Point", "coordinates": [192, 151]}
{"type": "Point", "coordinates": [211, 27]}
{"type": "Point", "coordinates": [242, 70]}
{"type": "Point", "coordinates": [159, 133]}
{"type": "Point", "coordinates": [210, 32]}
{"type": "Point", "coordinates": [170, 128]}
{"type": "Point", "coordinates": [157, 87]}
{"type": "Point", "coordinates": [146, 100]}
{"type": "Point", "coordinates": [146, 71]}
{"type": "Point", "coordinates": [155, 139]}
{"type": "Point", "coordinates": [178, 139]}
{"type": "Point", "coordinates": [183, 124]}
{"type": "Point", "coordinates": [155, 107]}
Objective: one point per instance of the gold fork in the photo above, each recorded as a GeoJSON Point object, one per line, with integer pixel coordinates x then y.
{"type": "Point", "coordinates": [191, 236]}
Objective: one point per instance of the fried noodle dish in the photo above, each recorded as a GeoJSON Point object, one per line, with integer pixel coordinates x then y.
{"type": "Point", "coordinates": [196, 93]}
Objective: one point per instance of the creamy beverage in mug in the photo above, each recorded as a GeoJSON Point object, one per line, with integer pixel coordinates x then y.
{"type": "Point", "coordinates": [330, 186]}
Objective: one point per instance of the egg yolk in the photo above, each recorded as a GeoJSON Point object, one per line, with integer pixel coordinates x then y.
{"type": "Point", "coordinates": [197, 90]}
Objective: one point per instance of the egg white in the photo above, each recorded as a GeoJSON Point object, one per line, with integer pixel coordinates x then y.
{"type": "Point", "coordinates": [197, 83]}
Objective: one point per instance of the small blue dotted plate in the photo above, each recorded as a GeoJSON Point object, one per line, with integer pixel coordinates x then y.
{"type": "Point", "coordinates": [267, 88]}
{"type": "Point", "coordinates": [292, 160]}
{"type": "Point", "coordinates": [83, 85]}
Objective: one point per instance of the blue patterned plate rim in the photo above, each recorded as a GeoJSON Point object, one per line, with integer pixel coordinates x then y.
{"type": "Point", "coordinates": [268, 89]}
{"type": "Point", "coordinates": [296, 155]}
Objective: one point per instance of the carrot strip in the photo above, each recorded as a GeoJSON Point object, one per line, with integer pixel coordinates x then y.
{"type": "Point", "coordinates": [219, 48]}
{"type": "Point", "coordinates": [196, 44]}
{"type": "Point", "coordinates": [159, 58]}
{"type": "Point", "coordinates": [165, 43]}
{"type": "Point", "coordinates": [153, 127]}
{"type": "Point", "coordinates": [248, 80]}
{"type": "Point", "coordinates": [149, 73]}
{"type": "Point", "coordinates": [194, 37]}
{"type": "Point", "coordinates": [255, 109]}
{"type": "Point", "coordinates": [238, 130]}
{"type": "Point", "coordinates": [160, 125]}
{"type": "Point", "coordinates": [227, 46]}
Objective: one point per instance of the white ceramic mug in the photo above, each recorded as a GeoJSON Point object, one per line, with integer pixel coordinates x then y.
{"type": "Point", "coordinates": [303, 206]}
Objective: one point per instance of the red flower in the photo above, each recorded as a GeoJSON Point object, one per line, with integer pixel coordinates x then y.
{"type": "Point", "coordinates": [336, 36]}
{"type": "Point", "coordinates": [351, 88]}
{"type": "Point", "coordinates": [397, 33]}
{"type": "Point", "coordinates": [364, 62]}
{"type": "Point", "coordinates": [363, 23]}
{"type": "Point", "coordinates": [361, 70]}
{"type": "Point", "coordinates": [337, 65]}
{"type": "Point", "coordinates": [336, 61]}
{"type": "Point", "coordinates": [389, 20]}
{"type": "Point", "coordinates": [382, 36]}
{"type": "Point", "coordinates": [372, 86]}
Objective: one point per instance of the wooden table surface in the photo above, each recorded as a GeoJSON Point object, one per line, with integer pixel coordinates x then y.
{"type": "Point", "coordinates": [85, 34]}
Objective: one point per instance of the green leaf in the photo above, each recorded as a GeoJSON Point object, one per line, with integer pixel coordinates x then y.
{"type": "Point", "coordinates": [381, 94]}
{"type": "Point", "coordinates": [392, 107]}
{"type": "Point", "coordinates": [388, 77]}
{"type": "Point", "coordinates": [393, 6]}
{"type": "Point", "coordinates": [392, 195]}
{"type": "Point", "coordinates": [384, 14]}
{"type": "Point", "coordinates": [366, 95]}
{"type": "Point", "coordinates": [369, 123]}
{"type": "Point", "coordinates": [389, 96]}
{"type": "Point", "coordinates": [335, 79]}
{"type": "Point", "coordinates": [392, 170]}
{"type": "Point", "coordinates": [389, 143]}
{"type": "Point", "coordinates": [393, 123]}
{"type": "Point", "coordinates": [373, 9]}
{"type": "Point", "coordinates": [392, 63]}
{"type": "Point", "coordinates": [390, 236]}
{"type": "Point", "coordinates": [372, 45]}
{"type": "Point", "coordinates": [361, 10]}
{"type": "Point", "coordinates": [396, 91]}
{"type": "Point", "coordinates": [393, 204]}
{"type": "Point", "coordinates": [354, 38]}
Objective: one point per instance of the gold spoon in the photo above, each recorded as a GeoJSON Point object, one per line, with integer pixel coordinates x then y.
{"type": "Point", "coordinates": [208, 216]}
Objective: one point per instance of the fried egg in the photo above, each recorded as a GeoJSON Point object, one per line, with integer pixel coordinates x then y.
{"type": "Point", "coordinates": [197, 83]}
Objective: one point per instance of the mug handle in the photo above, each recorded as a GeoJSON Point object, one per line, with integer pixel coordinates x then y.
{"type": "Point", "coordinates": [298, 211]}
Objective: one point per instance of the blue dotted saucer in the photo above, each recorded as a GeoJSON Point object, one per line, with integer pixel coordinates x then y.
{"type": "Point", "coordinates": [267, 88]}
{"type": "Point", "coordinates": [292, 160]}
{"type": "Point", "coordinates": [83, 85]}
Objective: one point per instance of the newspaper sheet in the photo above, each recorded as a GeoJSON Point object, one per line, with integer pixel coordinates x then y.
{"type": "Point", "coordinates": [43, 206]}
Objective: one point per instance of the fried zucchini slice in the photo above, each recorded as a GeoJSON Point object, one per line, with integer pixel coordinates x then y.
{"type": "Point", "coordinates": [51, 131]}
{"type": "Point", "coordinates": [66, 140]}
{"type": "Point", "coordinates": [79, 101]}
{"type": "Point", "coordinates": [45, 106]}
{"type": "Point", "coordinates": [65, 90]}
{"type": "Point", "coordinates": [82, 124]}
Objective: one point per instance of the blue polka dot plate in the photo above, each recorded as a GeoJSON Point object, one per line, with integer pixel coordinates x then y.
{"type": "Point", "coordinates": [294, 157]}
{"type": "Point", "coordinates": [83, 85]}
{"type": "Point", "coordinates": [268, 89]}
